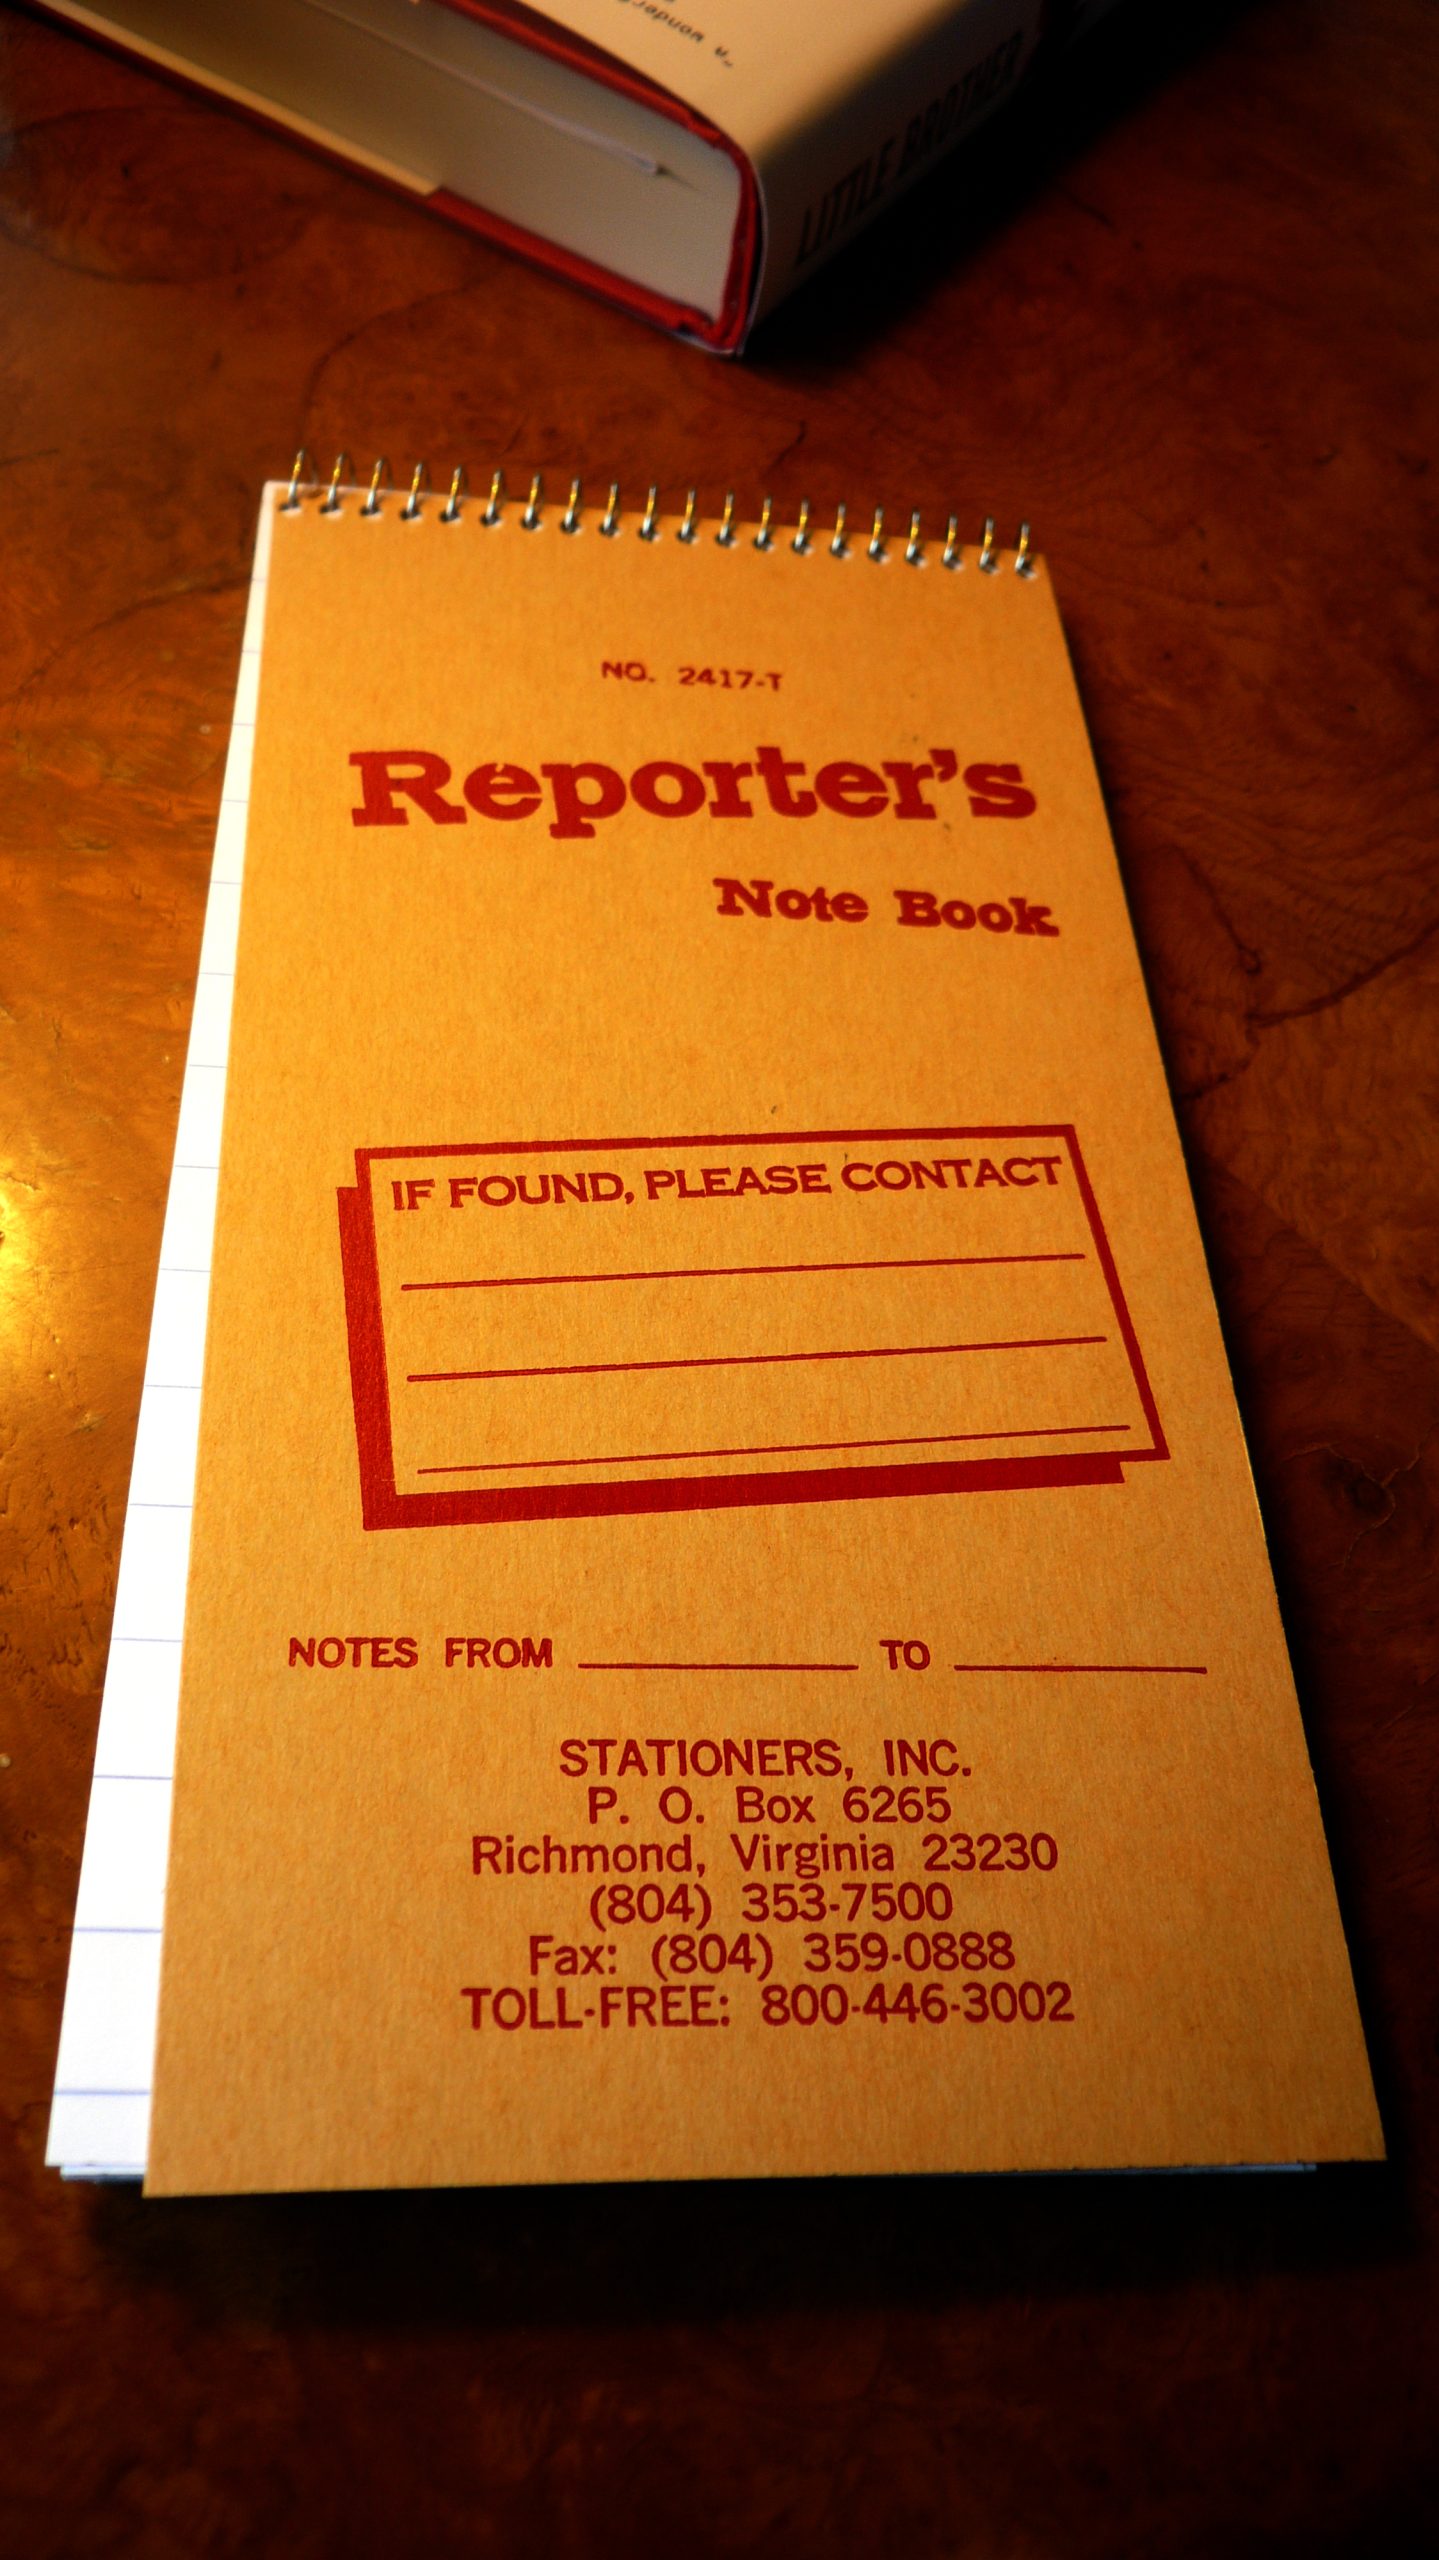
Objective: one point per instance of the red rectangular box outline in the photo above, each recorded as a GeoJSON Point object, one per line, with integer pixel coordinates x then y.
{"type": "Point", "coordinates": [384, 1507]}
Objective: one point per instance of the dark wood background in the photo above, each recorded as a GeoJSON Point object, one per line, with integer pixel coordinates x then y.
{"type": "Point", "coordinates": [1181, 313]}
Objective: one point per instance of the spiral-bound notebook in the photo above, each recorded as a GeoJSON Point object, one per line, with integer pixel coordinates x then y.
{"type": "Point", "coordinates": [727, 1628]}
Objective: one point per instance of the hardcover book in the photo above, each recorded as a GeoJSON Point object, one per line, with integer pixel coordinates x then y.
{"type": "Point", "coordinates": [694, 171]}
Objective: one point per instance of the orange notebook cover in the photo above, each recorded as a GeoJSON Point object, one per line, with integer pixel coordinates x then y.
{"type": "Point", "coordinates": [728, 1632]}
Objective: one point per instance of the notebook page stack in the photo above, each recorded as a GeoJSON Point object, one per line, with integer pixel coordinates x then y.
{"type": "Point", "coordinates": [100, 2117]}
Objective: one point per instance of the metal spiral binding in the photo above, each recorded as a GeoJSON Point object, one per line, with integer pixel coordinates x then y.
{"type": "Point", "coordinates": [497, 508]}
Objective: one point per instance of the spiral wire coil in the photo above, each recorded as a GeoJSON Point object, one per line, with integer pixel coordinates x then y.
{"type": "Point", "coordinates": [532, 514]}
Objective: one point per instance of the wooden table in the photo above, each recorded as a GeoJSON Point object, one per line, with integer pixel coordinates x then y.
{"type": "Point", "coordinates": [1176, 316]}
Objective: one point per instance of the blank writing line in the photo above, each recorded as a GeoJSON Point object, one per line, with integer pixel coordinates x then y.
{"type": "Point", "coordinates": [751, 1359]}
{"type": "Point", "coordinates": [717, 1666]}
{"type": "Point", "coordinates": [777, 1449]}
{"type": "Point", "coordinates": [1196, 1670]}
{"type": "Point", "coordinates": [740, 1271]}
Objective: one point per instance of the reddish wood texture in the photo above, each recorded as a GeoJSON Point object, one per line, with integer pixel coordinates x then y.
{"type": "Point", "coordinates": [1178, 315]}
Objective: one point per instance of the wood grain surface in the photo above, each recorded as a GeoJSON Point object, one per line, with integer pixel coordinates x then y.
{"type": "Point", "coordinates": [1181, 313]}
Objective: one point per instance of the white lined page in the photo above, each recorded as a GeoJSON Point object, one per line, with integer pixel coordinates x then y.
{"type": "Point", "coordinates": [100, 2115]}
